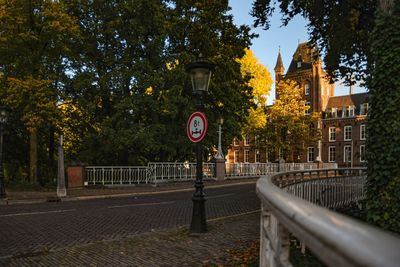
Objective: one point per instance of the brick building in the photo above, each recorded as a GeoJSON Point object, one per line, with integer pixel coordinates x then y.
{"type": "Point", "coordinates": [342, 123]}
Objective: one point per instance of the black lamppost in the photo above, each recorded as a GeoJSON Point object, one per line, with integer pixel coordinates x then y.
{"type": "Point", "coordinates": [200, 75]}
{"type": "Point", "coordinates": [3, 120]}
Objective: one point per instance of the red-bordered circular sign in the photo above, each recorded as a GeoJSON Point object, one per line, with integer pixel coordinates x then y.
{"type": "Point", "coordinates": [197, 127]}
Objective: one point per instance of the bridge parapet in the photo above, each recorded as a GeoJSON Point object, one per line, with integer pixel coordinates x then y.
{"type": "Point", "coordinates": [296, 202]}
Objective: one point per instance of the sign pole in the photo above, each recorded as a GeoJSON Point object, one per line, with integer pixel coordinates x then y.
{"type": "Point", "coordinates": [199, 223]}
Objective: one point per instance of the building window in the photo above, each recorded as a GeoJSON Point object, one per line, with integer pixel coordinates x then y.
{"type": "Point", "coordinates": [235, 141]}
{"type": "Point", "coordinates": [257, 156]}
{"type": "Point", "coordinates": [246, 140]}
{"type": "Point", "coordinates": [364, 109]}
{"type": "Point", "coordinates": [362, 132]}
{"type": "Point", "coordinates": [347, 154]}
{"type": "Point", "coordinates": [246, 155]}
{"type": "Point", "coordinates": [362, 153]}
{"type": "Point", "coordinates": [334, 112]}
{"type": "Point", "coordinates": [235, 156]}
{"type": "Point", "coordinates": [299, 64]}
{"type": "Point", "coordinates": [307, 88]}
{"type": "Point", "coordinates": [348, 111]}
{"type": "Point", "coordinates": [308, 106]}
{"type": "Point", "coordinates": [310, 154]}
{"type": "Point", "coordinates": [332, 154]}
{"type": "Point", "coordinates": [347, 133]}
{"type": "Point", "coordinates": [332, 134]}
{"type": "Point", "coordinates": [351, 111]}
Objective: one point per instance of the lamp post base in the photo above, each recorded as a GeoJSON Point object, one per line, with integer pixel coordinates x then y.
{"type": "Point", "coordinates": [198, 224]}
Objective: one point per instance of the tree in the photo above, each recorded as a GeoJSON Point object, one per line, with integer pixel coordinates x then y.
{"type": "Point", "coordinates": [260, 81]}
{"type": "Point", "coordinates": [129, 76]}
{"type": "Point", "coordinates": [340, 29]}
{"type": "Point", "coordinates": [360, 41]}
{"type": "Point", "coordinates": [34, 41]}
{"type": "Point", "coordinates": [289, 129]}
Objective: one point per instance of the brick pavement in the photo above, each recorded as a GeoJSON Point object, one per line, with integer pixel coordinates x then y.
{"type": "Point", "coordinates": [174, 247]}
{"type": "Point", "coordinates": [36, 228]}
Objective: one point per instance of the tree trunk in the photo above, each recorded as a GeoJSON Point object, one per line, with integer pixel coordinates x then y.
{"type": "Point", "coordinates": [33, 140]}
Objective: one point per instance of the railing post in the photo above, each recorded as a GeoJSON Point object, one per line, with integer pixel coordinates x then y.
{"type": "Point", "coordinates": [265, 224]}
{"type": "Point", "coordinates": [284, 245]}
{"type": "Point", "coordinates": [219, 169]}
{"type": "Point", "coordinates": [274, 241]}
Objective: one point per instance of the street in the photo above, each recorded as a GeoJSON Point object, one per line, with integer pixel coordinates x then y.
{"type": "Point", "coordinates": [27, 229]}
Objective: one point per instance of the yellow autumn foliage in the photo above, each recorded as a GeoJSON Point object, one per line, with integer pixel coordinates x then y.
{"type": "Point", "coordinates": [260, 81]}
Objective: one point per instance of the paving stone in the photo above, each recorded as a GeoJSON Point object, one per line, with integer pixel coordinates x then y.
{"type": "Point", "coordinates": [174, 247]}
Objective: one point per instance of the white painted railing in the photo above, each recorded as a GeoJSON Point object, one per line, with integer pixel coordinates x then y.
{"type": "Point", "coordinates": [284, 167]}
{"type": "Point", "coordinates": [336, 239]}
{"type": "Point", "coordinates": [116, 175]}
{"type": "Point", "coordinates": [241, 170]}
{"type": "Point", "coordinates": [178, 171]}
{"type": "Point", "coordinates": [153, 173]}
{"type": "Point", "coordinates": [160, 172]}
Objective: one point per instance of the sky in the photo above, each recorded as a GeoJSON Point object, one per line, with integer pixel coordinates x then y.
{"type": "Point", "coordinates": [266, 46]}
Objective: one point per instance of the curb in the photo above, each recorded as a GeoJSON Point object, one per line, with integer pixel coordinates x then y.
{"type": "Point", "coordinates": [6, 202]}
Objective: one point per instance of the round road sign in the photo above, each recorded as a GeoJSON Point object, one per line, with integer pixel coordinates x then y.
{"type": "Point", "coordinates": [197, 127]}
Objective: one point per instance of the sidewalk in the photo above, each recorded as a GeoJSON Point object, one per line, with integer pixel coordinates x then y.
{"type": "Point", "coordinates": [220, 246]}
{"type": "Point", "coordinates": [94, 192]}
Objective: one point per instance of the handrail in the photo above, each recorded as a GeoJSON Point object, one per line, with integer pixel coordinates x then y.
{"type": "Point", "coordinates": [336, 239]}
{"type": "Point", "coordinates": [278, 180]}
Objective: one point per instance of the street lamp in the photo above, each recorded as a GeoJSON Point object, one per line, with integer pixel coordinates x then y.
{"type": "Point", "coordinates": [219, 154]}
{"type": "Point", "coordinates": [3, 119]}
{"type": "Point", "coordinates": [200, 75]}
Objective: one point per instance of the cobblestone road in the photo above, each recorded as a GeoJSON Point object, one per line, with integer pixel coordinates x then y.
{"type": "Point", "coordinates": [38, 228]}
{"type": "Point", "coordinates": [158, 248]}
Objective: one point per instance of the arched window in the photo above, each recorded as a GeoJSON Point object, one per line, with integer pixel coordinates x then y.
{"type": "Point", "coordinates": [307, 88]}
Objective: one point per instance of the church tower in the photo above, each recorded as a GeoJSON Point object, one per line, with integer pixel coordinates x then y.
{"type": "Point", "coordinates": [279, 72]}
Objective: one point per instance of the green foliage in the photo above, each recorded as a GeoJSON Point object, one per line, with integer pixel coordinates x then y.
{"type": "Point", "coordinates": [34, 39]}
{"type": "Point", "coordinates": [288, 128]}
{"type": "Point", "coordinates": [110, 76]}
{"type": "Point", "coordinates": [361, 40]}
{"type": "Point", "coordinates": [383, 143]}
{"type": "Point", "coordinates": [339, 28]}
{"type": "Point", "coordinates": [138, 102]}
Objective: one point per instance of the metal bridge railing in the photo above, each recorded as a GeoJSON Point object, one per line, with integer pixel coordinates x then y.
{"type": "Point", "coordinates": [287, 207]}
{"type": "Point", "coordinates": [241, 170]}
{"type": "Point", "coordinates": [153, 173]}
{"type": "Point", "coordinates": [305, 166]}
{"type": "Point", "coordinates": [178, 171]}
{"type": "Point", "coordinates": [159, 172]}
{"type": "Point", "coordinates": [114, 175]}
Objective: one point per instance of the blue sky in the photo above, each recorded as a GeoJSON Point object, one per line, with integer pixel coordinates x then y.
{"type": "Point", "coordinates": [266, 46]}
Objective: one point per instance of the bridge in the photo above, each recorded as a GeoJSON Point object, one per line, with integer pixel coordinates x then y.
{"type": "Point", "coordinates": [161, 172]}
{"type": "Point", "coordinates": [296, 203]}
{"type": "Point", "coordinates": [296, 200]}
